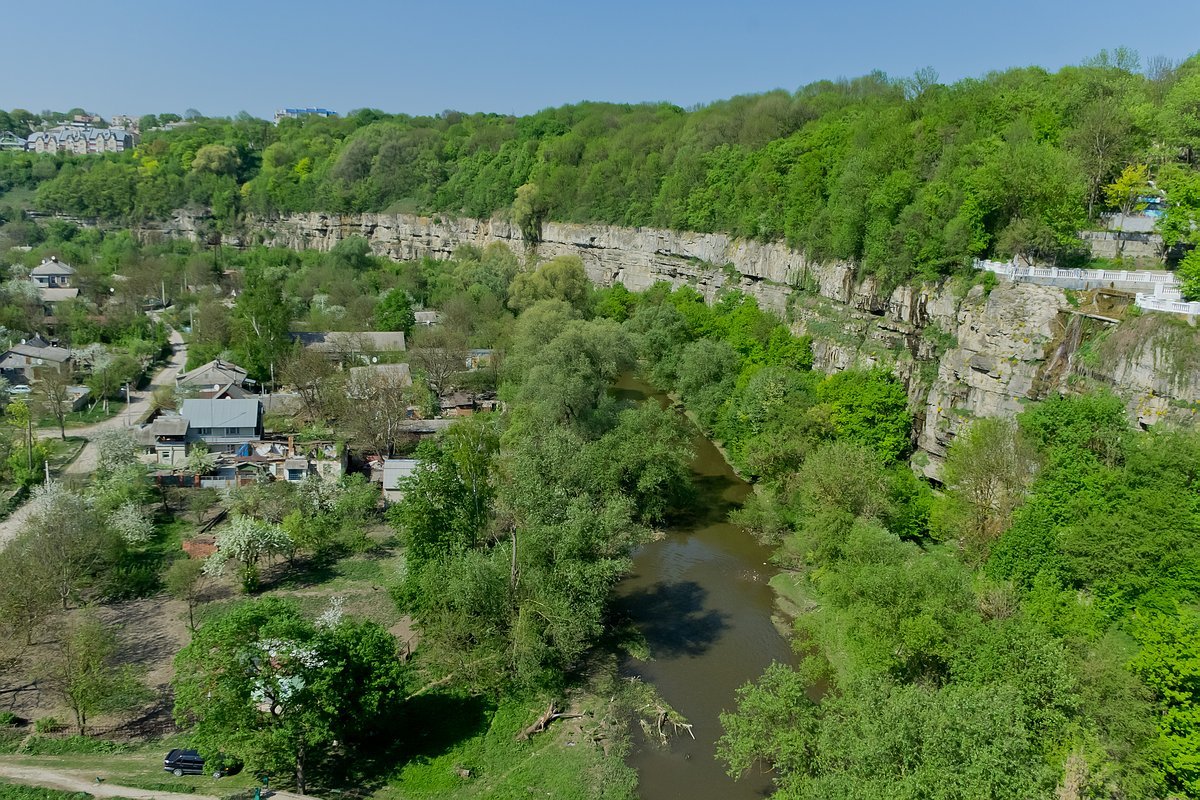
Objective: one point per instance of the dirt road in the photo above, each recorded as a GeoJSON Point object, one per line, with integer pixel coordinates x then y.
{"type": "Point", "coordinates": [85, 462]}
{"type": "Point", "coordinates": [139, 402]}
{"type": "Point", "coordinates": [77, 782]}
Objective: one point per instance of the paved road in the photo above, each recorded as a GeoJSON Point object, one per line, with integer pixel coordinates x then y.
{"type": "Point", "coordinates": [85, 462]}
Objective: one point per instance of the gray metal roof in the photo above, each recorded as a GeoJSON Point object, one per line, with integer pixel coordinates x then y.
{"type": "Point", "coordinates": [212, 373]}
{"type": "Point", "coordinates": [52, 266]}
{"type": "Point", "coordinates": [350, 340]}
{"type": "Point", "coordinates": [170, 426]}
{"type": "Point", "coordinates": [56, 355]}
{"type": "Point", "coordinates": [396, 468]}
{"type": "Point", "coordinates": [50, 294]}
{"type": "Point", "coordinates": [221, 413]}
{"type": "Point", "coordinates": [397, 375]}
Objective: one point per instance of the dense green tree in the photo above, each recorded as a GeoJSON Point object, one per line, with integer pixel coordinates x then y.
{"type": "Point", "coordinates": [561, 278]}
{"type": "Point", "coordinates": [261, 319]}
{"type": "Point", "coordinates": [877, 739]}
{"type": "Point", "coordinates": [264, 684]}
{"type": "Point", "coordinates": [394, 312]}
{"type": "Point", "coordinates": [870, 408]}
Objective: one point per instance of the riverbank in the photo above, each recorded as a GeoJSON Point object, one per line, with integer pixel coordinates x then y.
{"type": "Point", "coordinates": [701, 597]}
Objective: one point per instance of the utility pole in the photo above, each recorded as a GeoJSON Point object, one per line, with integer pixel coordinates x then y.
{"type": "Point", "coordinates": [29, 440]}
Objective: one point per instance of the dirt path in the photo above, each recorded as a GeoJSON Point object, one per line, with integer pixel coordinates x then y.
{"type": "Point", "coordinates": [85, 462]}
{"type": "Point", "coordinates": [77, 782]}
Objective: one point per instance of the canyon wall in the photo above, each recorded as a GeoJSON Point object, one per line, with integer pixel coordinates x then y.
{"type": "Point", "coordinates": [962, 351]}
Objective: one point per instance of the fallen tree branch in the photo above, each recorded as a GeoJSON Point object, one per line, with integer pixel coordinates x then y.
{"type": "Point", "coordinates": [428, 686]}
{"type": "Point", "coordinates": [544, 721]}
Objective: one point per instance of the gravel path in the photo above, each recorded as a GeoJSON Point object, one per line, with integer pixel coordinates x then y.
{"type": "Point", "coordinates": [85, 462]}
{"type": "Point", "coordinates": [69, 782]}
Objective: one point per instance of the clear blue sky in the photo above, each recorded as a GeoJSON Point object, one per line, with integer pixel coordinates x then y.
{"type": "Point", "coordinates": [223, 56]}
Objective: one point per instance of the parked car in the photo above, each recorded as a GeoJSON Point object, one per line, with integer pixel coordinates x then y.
{"type": "Point", "coordinates": [183, 762]}
{"type": "Point", "coordinates": [20, 388]}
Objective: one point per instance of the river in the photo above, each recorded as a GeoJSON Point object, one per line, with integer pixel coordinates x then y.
{"type": "Point", "coordinates": [701, 599]}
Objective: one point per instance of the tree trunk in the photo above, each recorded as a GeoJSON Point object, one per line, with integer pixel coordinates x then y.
{"type": "Point", "coordinates": [300, 769]}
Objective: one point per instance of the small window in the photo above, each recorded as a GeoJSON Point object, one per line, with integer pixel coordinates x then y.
{"type": "Point", "coordinates": [203, 431]}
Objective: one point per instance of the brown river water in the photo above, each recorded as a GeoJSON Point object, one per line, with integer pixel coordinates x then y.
{"type": "Point", "coordinates": [701, 599]}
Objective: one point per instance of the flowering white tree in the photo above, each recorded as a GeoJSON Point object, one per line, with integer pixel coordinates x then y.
{"type": "Point", "coordinates": [64, 540]}
{"type": "Point", "coordinates": [131, 523]}
{"type": "Point", "coordinates": [332, 616]}
{"type": "Point", "coordinates": [247, 540]}
{"type": "Point", "coordinates": [115, 449]}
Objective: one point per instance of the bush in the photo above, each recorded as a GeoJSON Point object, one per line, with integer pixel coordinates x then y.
{"type": "Point", "coordinates": [131, 581]}
{"type": "Point", "coordinates": [48, 725]}
{"type": "Point", "coordinates": [67, 745]}
{"type": "Point", "coordinates": [8, 719]}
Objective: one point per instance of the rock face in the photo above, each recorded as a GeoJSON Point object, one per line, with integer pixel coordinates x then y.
{"type": "Point", "coordinates": [961, 352]}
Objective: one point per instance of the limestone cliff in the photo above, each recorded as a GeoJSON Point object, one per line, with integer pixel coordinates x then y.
{"type": "Point", "coordinates": [961, 351]}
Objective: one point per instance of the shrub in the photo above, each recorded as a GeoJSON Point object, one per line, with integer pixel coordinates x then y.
{"type": "Point", "coordinates": [48, 725]}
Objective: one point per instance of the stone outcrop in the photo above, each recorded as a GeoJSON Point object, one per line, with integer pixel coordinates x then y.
{"type": "Point", "coordinates": [961, 351]}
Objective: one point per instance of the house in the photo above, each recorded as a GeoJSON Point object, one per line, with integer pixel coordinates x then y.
{"type": "Point", "coordinates": [287, 461]}
{"type": "Point", "coordinates": [351, 346]}
{"type": "Point", "coordinates": [459, 404]}
{"type": "Point", "coordinates": [51, 296]}
{"type": "Point", "coordinates": [388, 472]}
{"type": "Point", "coordinates": [222, 424]}
{"type": "Point", "coordinates": [215, 379]}
{"type": "Point", "coordinates": [10, 141]}
{"type": "Point", "coordinates": [167, 437]}
{"type": "Point", "coordinates": [297, 113]}
{"type": "Point", "coordinates": [81, 140]}
{"type": "Point", "coordinates": [427, 317]}
{"type": "Point", "coordinates": [52, 274]}
{"type": "Point", "coordinates": [377, 376]}
{"type": "Point", "coordinates": [19, 362]}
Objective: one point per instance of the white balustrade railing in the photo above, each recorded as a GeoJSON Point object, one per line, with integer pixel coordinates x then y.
{"type": "Point", "coordinates": [1150, 302]}
{"type": "Point", "coordinates": [1015, 271]}
{"type": "Point", "coordinates": [1167, 297]}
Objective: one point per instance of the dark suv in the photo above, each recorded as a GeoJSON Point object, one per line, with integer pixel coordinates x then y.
{"type": "Point", "coordinates": [189, 762]}
{"type": "Point", "coordinates": [184, 762]}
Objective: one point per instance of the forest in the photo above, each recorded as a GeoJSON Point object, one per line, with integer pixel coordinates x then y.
{"type": "Point", "coordinates": [908, 178]}
{"type": "Point", "coordinates": [1045, 591]}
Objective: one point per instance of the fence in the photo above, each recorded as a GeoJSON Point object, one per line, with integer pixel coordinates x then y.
{"type": "Point", "coordinates": [1014, 271]}
{"type": "Point", "coordinates": [1166, 295]}
{"type": "Point", "coordinates": [1170, 305]}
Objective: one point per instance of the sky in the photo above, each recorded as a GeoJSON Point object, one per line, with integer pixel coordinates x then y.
{"type": "Point", "coordinates": [225, 56]}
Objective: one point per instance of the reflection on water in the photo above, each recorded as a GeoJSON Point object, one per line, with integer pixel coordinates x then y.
{"type": "Point", "coordinates": [701, 599]}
